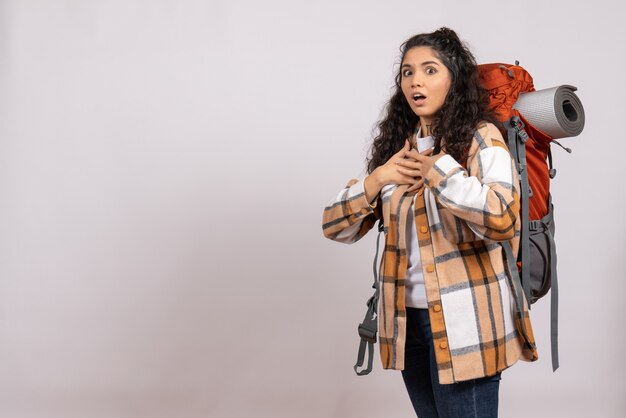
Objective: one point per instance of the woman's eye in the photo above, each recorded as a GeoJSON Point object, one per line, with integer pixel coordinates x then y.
{"type": "Point", "coordinates": [406, 73]}
{"type": "Point", "coordinates": [430, 70]}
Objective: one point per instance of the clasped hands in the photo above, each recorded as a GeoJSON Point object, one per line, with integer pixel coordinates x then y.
{"type": "Point", "coordinates": [408, 166]}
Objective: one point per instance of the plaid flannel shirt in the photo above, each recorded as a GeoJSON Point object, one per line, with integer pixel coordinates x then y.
{"type": "Point", "coordinates": [460, 215]}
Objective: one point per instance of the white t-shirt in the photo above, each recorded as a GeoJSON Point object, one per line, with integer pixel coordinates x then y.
{"type": "Point", "coordinates": [415, 289]}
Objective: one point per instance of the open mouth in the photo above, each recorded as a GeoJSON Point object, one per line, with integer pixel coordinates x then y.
{"type": "Point", "coordinates": [418, 98]}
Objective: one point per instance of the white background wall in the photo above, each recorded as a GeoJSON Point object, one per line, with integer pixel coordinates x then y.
{"type": "Point", "coordinates": [163, 170]}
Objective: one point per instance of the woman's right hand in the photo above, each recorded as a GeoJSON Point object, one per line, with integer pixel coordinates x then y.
{"type": "Point", "coordinates": [387, 173]}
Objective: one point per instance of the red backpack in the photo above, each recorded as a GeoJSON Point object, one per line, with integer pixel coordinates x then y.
{"type": "Point", "coordinates": [530, 148]}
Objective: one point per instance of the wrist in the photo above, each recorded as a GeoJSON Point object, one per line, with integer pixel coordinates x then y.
{"type": "Point", "coordinates": [372, 185]}
{"type": "Point", "coordinates": [378, 178]}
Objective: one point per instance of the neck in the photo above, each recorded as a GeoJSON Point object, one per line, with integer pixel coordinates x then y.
{"type": "Point", "coordinates": [425, 128]}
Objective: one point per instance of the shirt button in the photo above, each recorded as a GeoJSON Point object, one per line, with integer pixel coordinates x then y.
{"type": "Point", "coordinates": [430, 268]}
{"type": "Point", "coordinates": [437, 308]}
{"type": "Point", "coordinates": [443, 344]}
{"type": "Point", "coordinates": [424, 229]}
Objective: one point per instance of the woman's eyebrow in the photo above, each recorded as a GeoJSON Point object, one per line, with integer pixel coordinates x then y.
{"type": "Point", "coordinates": [422, 64]}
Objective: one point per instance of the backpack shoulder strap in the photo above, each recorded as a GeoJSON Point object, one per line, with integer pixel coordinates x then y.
{"type": "Point", "coordinates": [516, 140]}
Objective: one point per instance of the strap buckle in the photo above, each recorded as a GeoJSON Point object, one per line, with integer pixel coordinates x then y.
{"type": "Point", "coordinates": [367, 332]}
{"type": "Point", "coordinates": [516, 123]}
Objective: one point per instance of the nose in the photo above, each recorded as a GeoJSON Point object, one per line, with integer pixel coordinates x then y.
{"type": "Point", "coordinates": [416, 81]}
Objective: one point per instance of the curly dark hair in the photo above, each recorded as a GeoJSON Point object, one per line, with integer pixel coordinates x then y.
{"type": "Point", "coordinates": [465, 106]}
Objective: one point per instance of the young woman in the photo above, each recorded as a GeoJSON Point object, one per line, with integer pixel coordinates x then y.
{"type": "Point", "coordinates": [449, 317]}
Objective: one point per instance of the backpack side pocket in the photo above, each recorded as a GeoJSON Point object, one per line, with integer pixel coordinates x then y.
{"type": "Point", "coordinates": [542, 255]}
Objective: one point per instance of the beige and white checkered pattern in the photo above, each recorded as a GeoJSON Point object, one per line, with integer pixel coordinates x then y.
{"type": "Point", "coordinates": [460, 216]}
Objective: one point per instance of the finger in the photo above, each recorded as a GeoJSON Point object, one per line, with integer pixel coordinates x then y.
{"type": "Point", "coordinates": [404, 179]}
{"type": "Point", "coordinates": [414, 167]}
{"type": "Point", "coordinates": [408, 163]}
{"type": "Point", "coordinates": [416, 155]}
{"type": "Point", "coordinates": [419, 183]}
{"type": "Point", "coordinates": [428, 152]}
{"type": "Point", "coordinates": [407, 172]}
{"type": "Point", "coordinates": [405, 148]}
{"type": "Point", "coordinates": [412, 153]}
{"type": "Point", "coordinates": [414, 187]}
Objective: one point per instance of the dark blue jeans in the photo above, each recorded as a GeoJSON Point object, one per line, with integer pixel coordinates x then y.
{"type": "Point", "coordinates": [472, 398]}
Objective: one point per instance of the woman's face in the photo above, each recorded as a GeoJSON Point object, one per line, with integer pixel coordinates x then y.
{"type": "Point", "coordinates": [425, 82]}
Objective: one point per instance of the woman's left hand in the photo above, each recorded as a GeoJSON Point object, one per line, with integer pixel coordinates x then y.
{"type": "Point", "coordinates": [417, 165]}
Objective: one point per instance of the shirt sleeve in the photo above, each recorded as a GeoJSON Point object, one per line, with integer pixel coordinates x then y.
{"type": "Point", "coordinates": [350, 216]}
{"type": "Point", "coordinates": [485, 195]}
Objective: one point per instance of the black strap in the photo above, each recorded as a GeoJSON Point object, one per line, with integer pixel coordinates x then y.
{"type": "Point", "coordinates": [369, 327]}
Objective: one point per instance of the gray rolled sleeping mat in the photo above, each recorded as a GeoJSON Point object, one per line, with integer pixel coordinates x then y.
{"type": "Point", "coordinates": [557, 111]}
